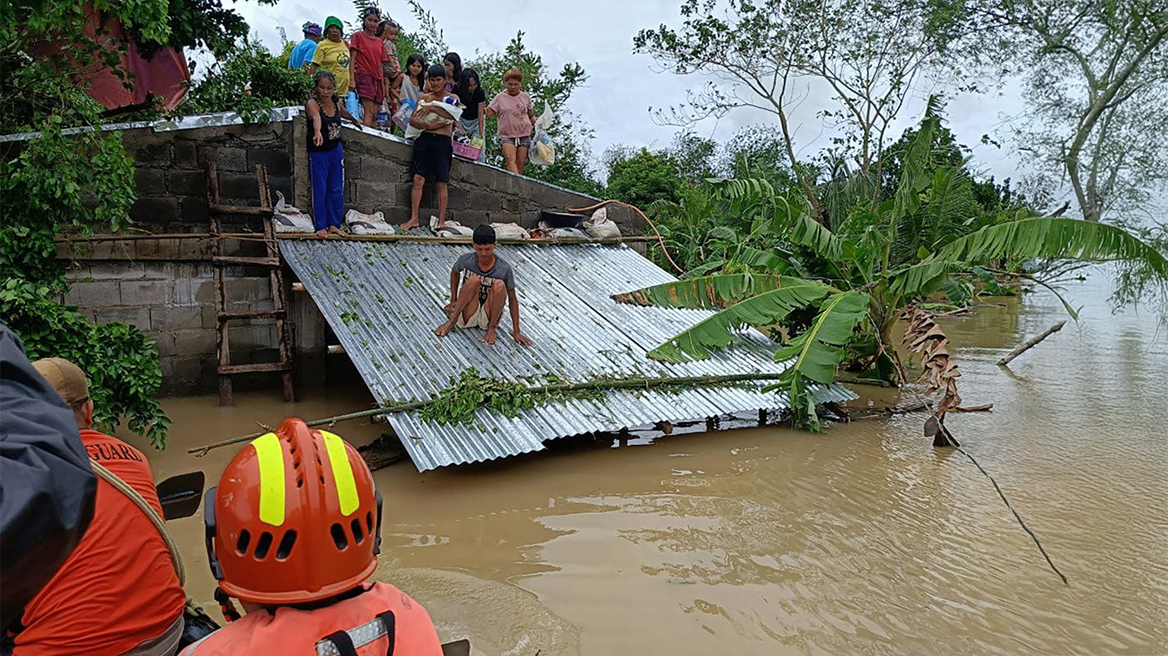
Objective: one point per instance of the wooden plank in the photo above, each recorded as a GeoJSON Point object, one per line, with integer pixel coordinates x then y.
{"type": "Point", "coordinates": [251, 210]}
{"type": "Point", "coordinates": [300, 236]}
{"type": "Point", "coordinates": [234, 369]}
{"type": "Point", "coordinates": [245, 261]}
{"type": "Point", "coordinates": [252, 314]}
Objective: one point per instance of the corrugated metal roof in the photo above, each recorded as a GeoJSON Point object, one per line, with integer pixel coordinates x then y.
{"type": "Point", "coordinates": [383, 300]}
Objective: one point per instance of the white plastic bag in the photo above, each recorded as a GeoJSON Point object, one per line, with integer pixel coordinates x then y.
{"type": "Point", "coordinates": [598, 226]}
{"type": "Point", "coordinates": [367, 224]}
{"type": "Point", "coordinates": [451, 229]}
{"type": "Point", "coordinates": [287, 218]}
{"type": "Point", "coordinates": [543, 151]}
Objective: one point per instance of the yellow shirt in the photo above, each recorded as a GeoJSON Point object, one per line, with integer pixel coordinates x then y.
{"type": "Point", "coordinates": [334, 58]}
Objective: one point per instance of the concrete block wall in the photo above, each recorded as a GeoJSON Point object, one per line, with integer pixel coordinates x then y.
{"type": "Point", "coordinates": [163, 285]}
{"type": "Point", "coordinates": [378, 178]}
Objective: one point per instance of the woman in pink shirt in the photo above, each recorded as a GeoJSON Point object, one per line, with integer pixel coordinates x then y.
{"type": "Point", "coordinates": [516, 118]}
{"type": "Point", "coordinates": [365, 66]}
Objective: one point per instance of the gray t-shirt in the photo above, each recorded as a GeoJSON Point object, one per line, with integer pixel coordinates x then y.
{"type": "Point", "coordinates": [501, 270]}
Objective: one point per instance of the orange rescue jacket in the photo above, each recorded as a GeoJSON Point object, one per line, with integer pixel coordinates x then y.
{"type": "Point", "coordinates": [381, 621]}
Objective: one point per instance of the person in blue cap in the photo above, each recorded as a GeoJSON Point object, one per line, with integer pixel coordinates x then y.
{"type": "Point", "coordinates": [301, 55]}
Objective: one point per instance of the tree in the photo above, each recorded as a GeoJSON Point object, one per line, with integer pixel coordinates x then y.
{"type": "Point", "coordinates": [57, 182]}
{"type": "Point", "coordinates": [869, 53]}
{"type": "Point", "coordinates": [640, 177]}
{"type": "Point", "coordinates": [272, 84]}
{"type": "Point", "coordinates": [863, 281]}
{"type": "Point", "coordinates": [1096, 74]}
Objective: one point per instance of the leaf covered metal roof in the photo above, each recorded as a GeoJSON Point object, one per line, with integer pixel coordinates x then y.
{"type": "Point", "coordinates": [384, 299]}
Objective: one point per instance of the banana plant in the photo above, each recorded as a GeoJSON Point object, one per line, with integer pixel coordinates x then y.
{"type": "Point", "coordinates": [860, 282]}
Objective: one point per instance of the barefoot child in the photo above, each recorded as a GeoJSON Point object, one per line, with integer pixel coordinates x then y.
{"type": "Point", "coordinates": [326, 158]}
{"type": "Point", "coordinates": [433, 149]}
{"type": "Point", "coordinates": [489, 283]}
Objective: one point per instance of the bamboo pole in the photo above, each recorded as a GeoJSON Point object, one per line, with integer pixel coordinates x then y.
{"type": "Point", "coordinates": [1031, 343]}
{"type": "Point", "coordinates": [628, 383]}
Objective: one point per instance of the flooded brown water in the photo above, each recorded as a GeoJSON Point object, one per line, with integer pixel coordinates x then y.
{"type": "Point", "coordinates": [863, 539]}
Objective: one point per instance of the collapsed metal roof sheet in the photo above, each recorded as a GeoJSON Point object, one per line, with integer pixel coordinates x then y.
{"type": "Point", "coordinates": [383, 300]}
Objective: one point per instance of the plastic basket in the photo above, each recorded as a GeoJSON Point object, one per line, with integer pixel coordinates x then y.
{"type": "Point", "coordinates": [467, 151]}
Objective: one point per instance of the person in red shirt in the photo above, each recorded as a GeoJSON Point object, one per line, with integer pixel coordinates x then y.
{"type": "Point", "coordinates": [293, 532]}
{"type": "Point", "coordinates": [117, 593]}
{"type": "Point", "coordinates": [368, 75]}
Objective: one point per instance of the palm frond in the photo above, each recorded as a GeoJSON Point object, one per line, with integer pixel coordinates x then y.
{"type": "Point", "coordinates": [716, 332]}
{"type": "Point", "coordinates": [707, 292]}
{"type": "Point", "coordinates": [810, 233]}
{"type": "Point", "coordinates": [920, 278]}
{"type": "Point", "coordinates": [820, 348]}
{"type": "Point", "coordinates": [1056, 238]}
{"type": "Point", "coordinates": [770, 261]}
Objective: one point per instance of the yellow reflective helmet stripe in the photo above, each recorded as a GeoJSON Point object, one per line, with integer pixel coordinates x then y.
{"type": "Point", "coordinates": [270, 457]}
{"type": "Point", "coordinates": [342, 473]}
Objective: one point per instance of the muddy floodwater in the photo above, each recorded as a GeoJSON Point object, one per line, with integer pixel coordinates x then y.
{"type": "Point", "coordinates": [863, 539]}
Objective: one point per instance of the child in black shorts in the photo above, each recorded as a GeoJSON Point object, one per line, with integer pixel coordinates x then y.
{"type": "Point", "coordinates": [433, 149]}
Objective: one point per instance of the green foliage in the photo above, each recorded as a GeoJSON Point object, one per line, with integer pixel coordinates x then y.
{"type": "Point", "coordinates": [885, 257]}
{"type": "Point", "coordinates": [457, 403]}
{"type": "Point", "coordinates": [641, 177]}
{"type": "Point", "coordinates": [273, 84]}
{"type": "Point", "coordinates": [120, 362]}
{"type": "Point", "coordinates": [58, 183]}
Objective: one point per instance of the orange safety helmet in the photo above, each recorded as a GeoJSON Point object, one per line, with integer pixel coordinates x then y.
{"type": "Point", "coordinates": [295, 518]}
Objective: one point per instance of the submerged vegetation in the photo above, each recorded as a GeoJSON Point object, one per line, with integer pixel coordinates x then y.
{"type": "Point", "coordinates": [838, 283]}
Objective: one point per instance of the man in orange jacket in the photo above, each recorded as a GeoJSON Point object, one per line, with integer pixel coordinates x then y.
{"type": "Point", "coordinates": [117, 593]}
{"type": "Point", "coordinates": [293, 532]}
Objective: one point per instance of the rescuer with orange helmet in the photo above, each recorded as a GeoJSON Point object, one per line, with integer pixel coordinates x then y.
{"type": "Point", "coordinates": [293, 532]}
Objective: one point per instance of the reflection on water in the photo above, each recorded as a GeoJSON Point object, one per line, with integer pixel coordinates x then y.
{"type": "Point", "coordinates": [764, 541]}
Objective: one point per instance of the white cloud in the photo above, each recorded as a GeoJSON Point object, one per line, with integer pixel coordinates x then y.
{"type": "Point", "coordinates": [622, 86]}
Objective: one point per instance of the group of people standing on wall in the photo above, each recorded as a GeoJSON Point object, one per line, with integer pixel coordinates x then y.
{"type": "Point", "coordinates": [367, 63]}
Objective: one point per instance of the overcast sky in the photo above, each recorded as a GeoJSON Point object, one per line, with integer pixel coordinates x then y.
{"type": "Point", "coordinates": [621, 86]}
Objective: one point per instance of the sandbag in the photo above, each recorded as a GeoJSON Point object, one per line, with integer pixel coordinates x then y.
{"type": "Point", "coordinates": [568, 233]}
{"type": "Point", "coordinates": [286, 218]}
{"type": "Point", "coordinates": [598, 226]}
{"type": "Point", "coordinates": [368, 224]}
{"type": "Point", "coordinates": [510, 231]}
{"type": "Point", "coordinates": [451, 229]}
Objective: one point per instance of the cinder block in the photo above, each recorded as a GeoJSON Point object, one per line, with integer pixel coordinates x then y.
{"type": "Point", "coordinates": [205, 292]}
{"type": "Point", "coordinates": [150, 181]}
{"type": "Point", "coordinates": [187, 183]}
{"type": "Point", "coordinates": [168, 318]}
{"type": "Point", "coordinates": [139, 317]}
{"type": "Point", "coordinates": [373, 195]}
{"type": "Point", "coordinates": [231, 159]}
{"type": "Point", "coordinates": [186, 154]}
{"type": "Point", "coordinates": [94, 294]}
{"type": "Point", "coordinates": [238, 185]}
{"type": "Point", "coordinates": [471, 218]}
{"type": "Point", "coordinates": [458, 198]}
{"type": "Point", "coordinates": [197, 341]}
{"type": "Point", "coordinates": [163, 341]}
{"type": "Point", "coordinates": [194, 211]}
{"type": "Point", "coordinates": [154, 210]}
{"type": "Point", "coordinates": [181, 373]}
{"type": "Point", "coordinates": [248, 289]}
{"type": "Point", "coordinates": [485, 201]}
{"type": "Point", "coordinates": [116, 270]}
{"type": "Point", "coordinates": [378, 169]}
{"type": "Point", "coordinates": [144, 292]}
{"type": "Point", "coordinates": [158, 153]}
{"type": "Point", "coordinates": [277, 161]}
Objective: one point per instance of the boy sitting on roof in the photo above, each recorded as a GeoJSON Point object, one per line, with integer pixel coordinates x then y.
{"type": "Point", "coordinates": [488, 283]}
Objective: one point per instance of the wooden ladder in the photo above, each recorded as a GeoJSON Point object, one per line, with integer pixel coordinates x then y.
{"type": "Point", "coordinates": [272, 262]}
